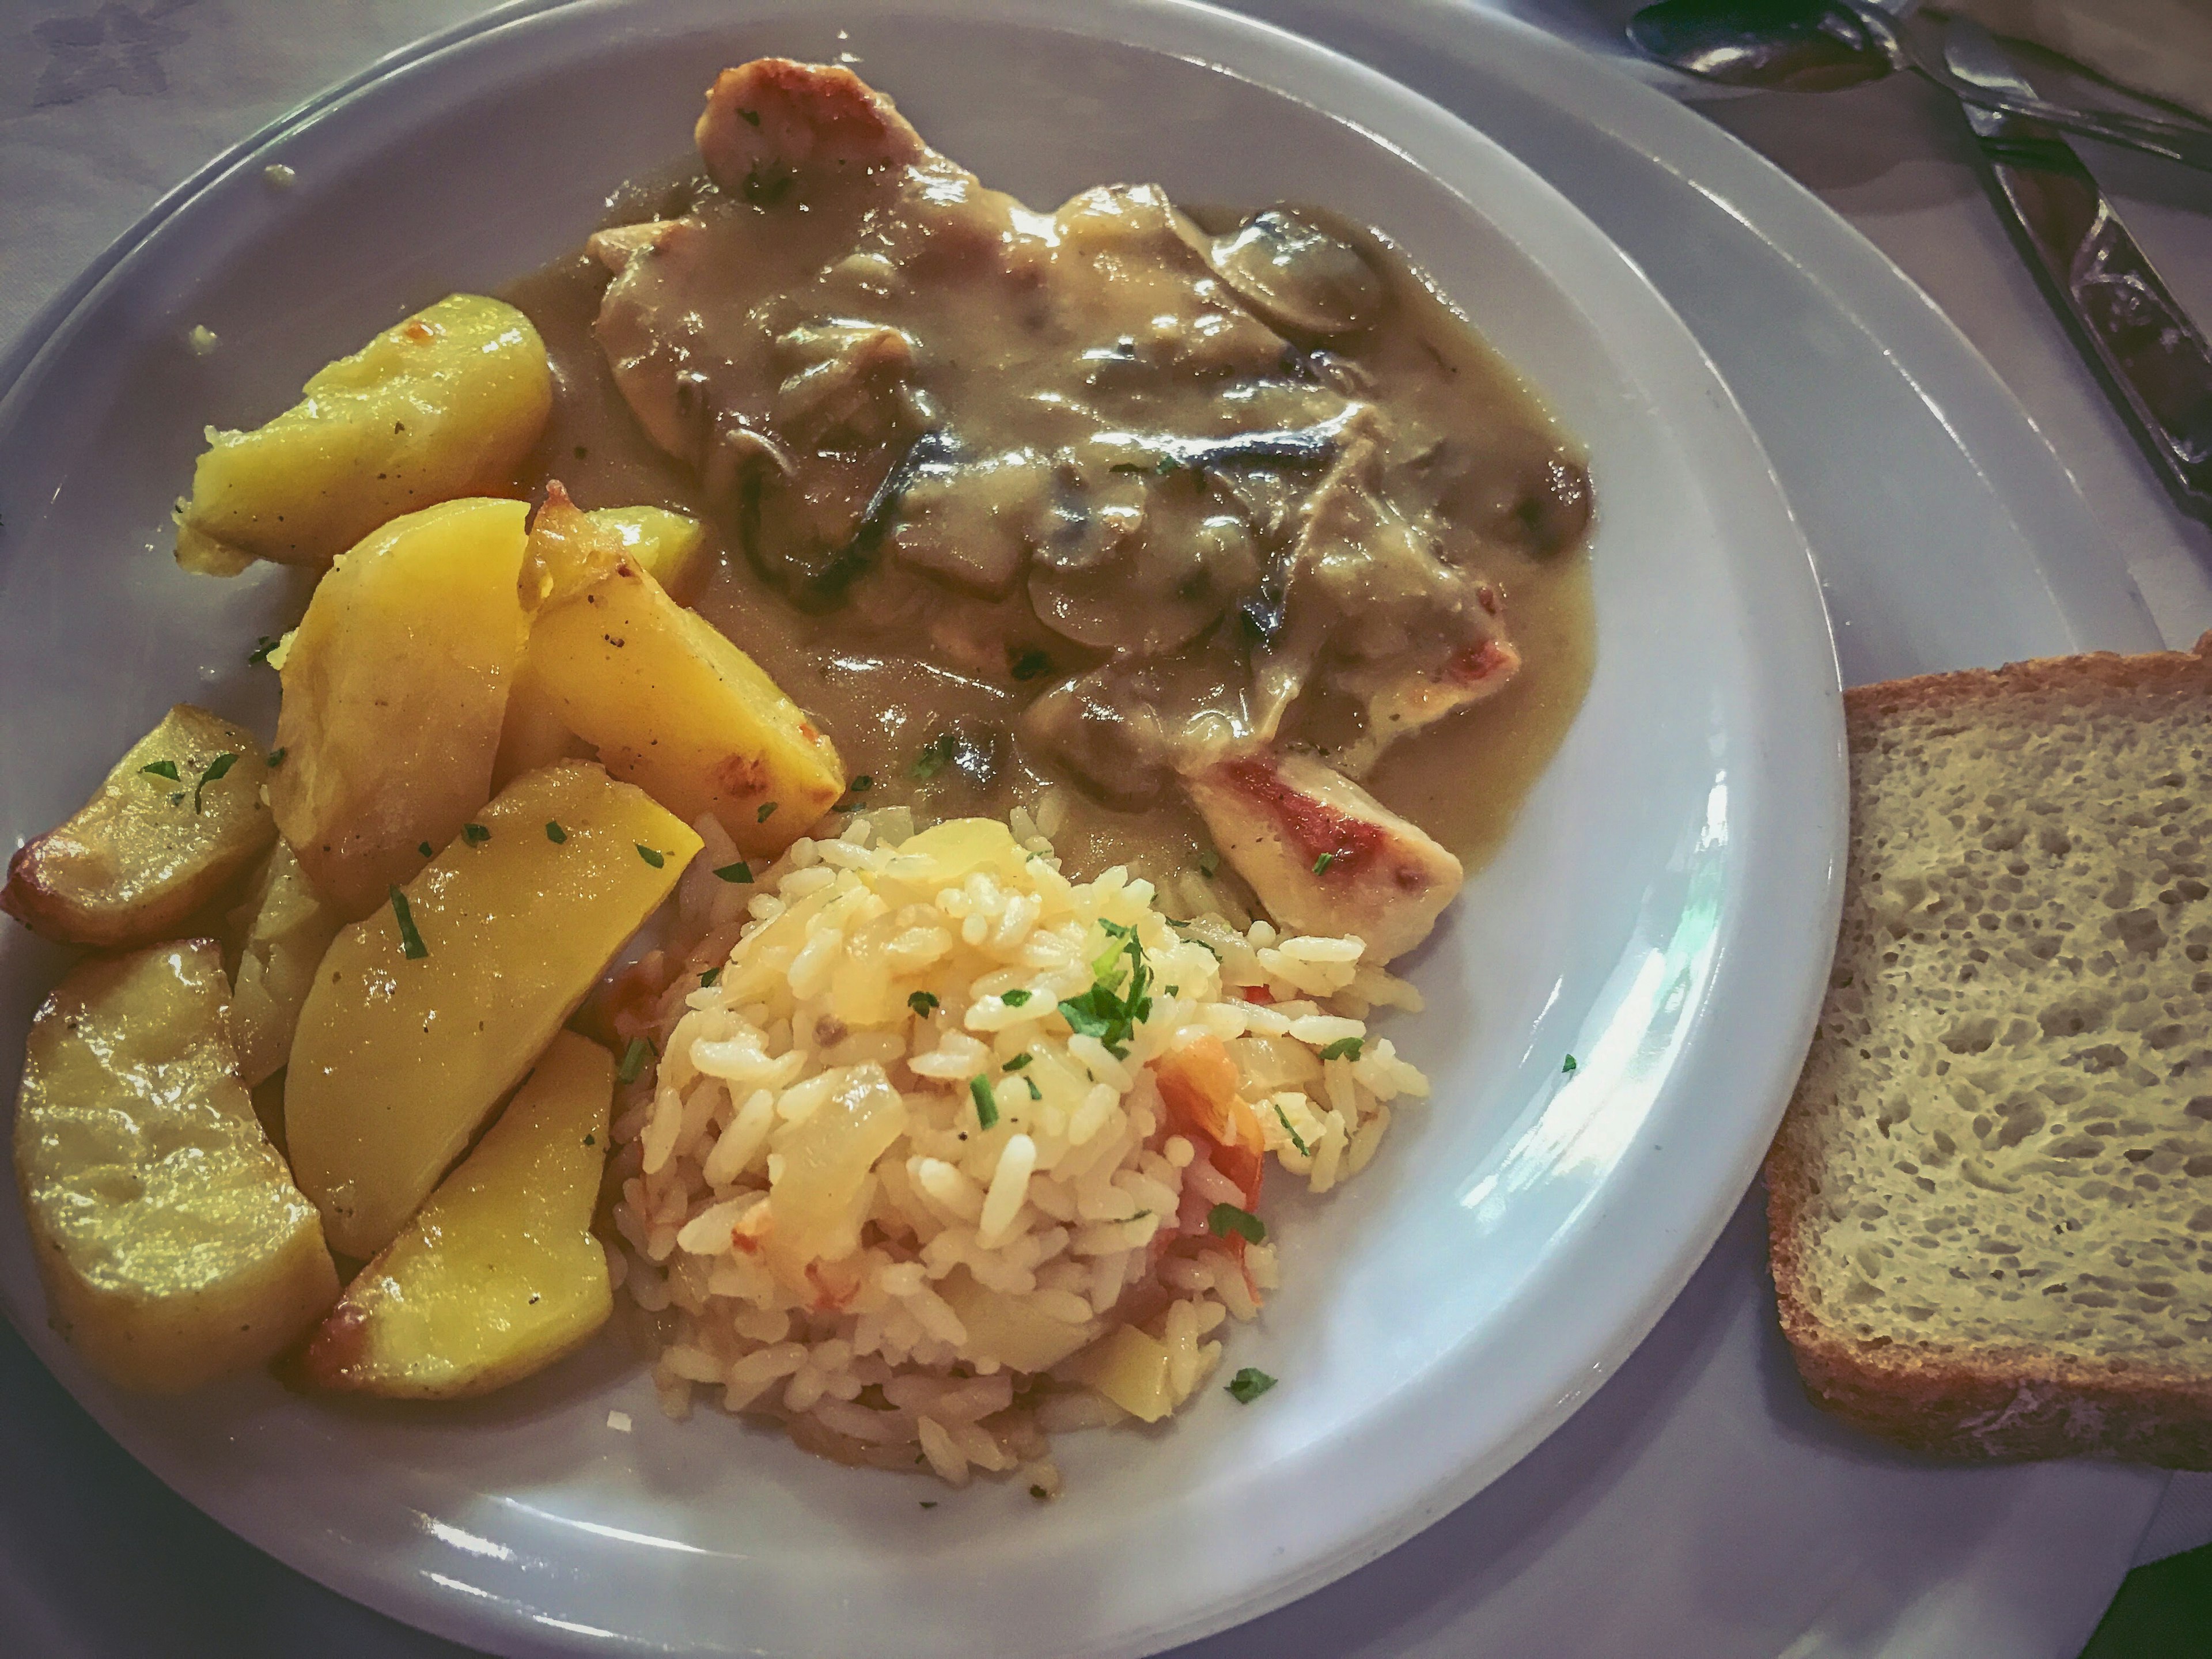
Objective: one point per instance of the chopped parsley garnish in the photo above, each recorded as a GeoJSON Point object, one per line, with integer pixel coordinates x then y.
{"type": "Point", "coordinates": [260, 652]}
{"type": "Point", "coordinates": [1036, 1093]}
{"type": "Point", "coordinates": [739, 871]}
{"type": "Point", "coordinates": [753, 116]}
{"type": "Point", "coordinates": [1249, 1384]}
{"type": "Point", "coordinates": [632, 1061]}
{"type": "Point", "coordinates": [1322, 864]}
{"type": "Point", "coordinates": [926, 1502]}
{"type": "Point", "coordinates": [1018, 1062]}
{"type": "Point", "coordinates": [1568, 1065]}
{"type": "Point", "coordinates": [987, 1103]}
{"type": "Point", "coordinates": [767, 812]}
{"type": "Point", "coordinates": [426, 849]}
{"type": "Point", "coordinates": [275, 758]}
{"type": "Point", "coordinates": [1127, 466]}
{"type": "Point", "coordinates": [709, 978]}
{"type": "Point", "coordinates": [1346, 1048]}
{"type": "Point", "coordinates": [936, 754]}
{"type": "Point", "coordinates": [1031, 664]}
{"type": "Point", "coordinates": [410, 942]}
{"type": "Point", "coordinates": [652, 855]}
{"type": "Point", "coordinates": [1111, 1010]}
{"type": "Point", "coordinates": [475, 834]}
{"type": "Point", "coordinates": [554, 833]}
{"type": "Point", "coordinates": [922, 1003]}
{"type": "Point", "coordinates": [1039, 1493]}
{"type": "Point", "coordinates": [1304, 1151]}
{"type": "Point", "coordinates": [1224, 1219]}
{"type": "Point", "coordinates": [860, 785]}
{"type": "Point", "coordinates": [163, 769]}
{"type": "Point", "coordinates": [1015, 999]}
{"type": "Point", "coordinates": [1208, 862]}
{"type": "Point", "coordinates": [216, 768]}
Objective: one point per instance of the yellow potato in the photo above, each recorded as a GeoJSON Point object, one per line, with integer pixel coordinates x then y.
{"type": "Point", "coordinates": [283, 930]}
{"type": "Point", "coordinates": [447, 403]}
{"type": "Point", "coordinates": [395, 689]}
{"type": "Point", "coordinates": [173, 1246]}
{"type": "Point", "coordinates": [399, 1057]}
{"type": "Point", "coordinates": [151, 846]}
{"type": "Point", "coordinates": [1131, 1369]}
{"type": "Point", "coordinates": [534, 734]}
{"type": "Point", "coordinates": [498, 1275]}
{"type": "Point", "coordinates": [670, 704]}
{"type": "Point", "coordinates": [668, 545]}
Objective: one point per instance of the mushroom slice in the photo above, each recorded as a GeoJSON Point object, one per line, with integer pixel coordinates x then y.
{"type": "Point", "coordinates": [1297, 276]}
{"type": "Point", "coordinates": [1322, 853]}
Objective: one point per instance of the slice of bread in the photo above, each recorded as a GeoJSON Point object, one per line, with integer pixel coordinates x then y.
{"type": "Point", "coordinates": [1990, 1203]}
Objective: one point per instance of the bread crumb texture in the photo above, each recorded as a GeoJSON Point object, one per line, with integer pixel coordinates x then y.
{"type": "Point", "coordinates": [1991, 1200]}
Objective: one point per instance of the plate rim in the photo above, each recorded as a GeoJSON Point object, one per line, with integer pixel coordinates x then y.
{"type": "Point", "coordinates": [1691, 1245]}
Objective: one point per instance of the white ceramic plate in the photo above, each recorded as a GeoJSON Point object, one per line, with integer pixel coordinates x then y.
{"type": "Point", "coordinates": [1662, 911]}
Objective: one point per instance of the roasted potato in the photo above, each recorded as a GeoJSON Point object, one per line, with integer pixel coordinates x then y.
{"type": "Point", "coordinates": [498, 1275]}
{"type": "Point", "coordinates": [535, 733]}
{"type": "Point", "coordinates": [178, 821]}
{"type": "Point", "coordinates": [424, 1015]}
{"type": "Point", "coordinates": [444, 404]}
{"type": "Point", "coordinates": [670, 704]}
{"type": "Point", "coordinates": [281, 931]}
{"type": "Point", "coordinates": [668, 545]}
{"type": "Point", "coordinates": [173, 1245]}
{"type": "Point", "coordinates": [395, 689]}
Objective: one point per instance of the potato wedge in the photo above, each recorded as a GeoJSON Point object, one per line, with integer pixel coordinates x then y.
{"type": "Point", "coordinates": [173, 1245]}
{"type": "Point", "coordinates": [399, 1057]}
{"type": "Point", "coordinates": [395, 689]}
{"type": "Point", "coordinates": [534, 734]}
{"type": "Point", "coordinates": [671, 705]}
{"type": "Point", "coordinates": [152, 846]}
{"type": "Point", "coordinates": [281, 931]}
{"type": "Point", "coordinates": [498, 1275]}
{"type": "Point", "coordinates": [669, 546]}
{"type": "Point", "coordinates": [444, 405]}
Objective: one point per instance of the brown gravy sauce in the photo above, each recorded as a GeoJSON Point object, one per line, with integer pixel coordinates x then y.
{"type": "Point", "coordinates": [882, 699]}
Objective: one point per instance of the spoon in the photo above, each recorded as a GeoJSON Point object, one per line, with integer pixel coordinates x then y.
{"type": "Point", "coordinates": [1820, 45]}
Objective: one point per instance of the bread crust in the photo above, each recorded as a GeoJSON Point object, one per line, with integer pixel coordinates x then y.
{"type": "Point", "coordinates": [1967, 1400]}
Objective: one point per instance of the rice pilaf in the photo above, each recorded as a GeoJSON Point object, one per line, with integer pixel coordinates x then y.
{"type": "Point", "coordinates": [943, 1152]}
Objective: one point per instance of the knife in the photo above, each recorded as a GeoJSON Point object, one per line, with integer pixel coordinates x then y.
{"type": "Point", "coordinates": [2154, 361]}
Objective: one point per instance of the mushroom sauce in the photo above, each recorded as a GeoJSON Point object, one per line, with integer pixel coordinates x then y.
{"type": "Point", "coordinates": [1007, 499]}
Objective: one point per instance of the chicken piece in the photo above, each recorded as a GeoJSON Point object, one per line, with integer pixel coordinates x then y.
{"type": "Point", "coordinates": [1322, 855]}
{"type": "Point", "coordinates": [617, 245]}
{"type": "Point", "coordinates": [1363, 590]}
{"type": "Point", "coordinates": [1401, 702]}
{"type": "Point", "coordinates": [771, 117]}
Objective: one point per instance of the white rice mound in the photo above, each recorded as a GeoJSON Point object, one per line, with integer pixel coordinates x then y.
{"type": "Point", "coordinates": [822, 1228]}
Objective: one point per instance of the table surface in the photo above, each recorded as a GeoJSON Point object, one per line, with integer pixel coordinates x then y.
{"type": "Point", "coordinates": [103, 109]}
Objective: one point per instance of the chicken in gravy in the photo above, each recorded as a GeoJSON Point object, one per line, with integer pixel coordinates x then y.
{"type": "Point", "coordinates": [1204, 518]}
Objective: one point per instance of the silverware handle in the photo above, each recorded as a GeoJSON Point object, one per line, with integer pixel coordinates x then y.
{"type": "Point", "coordinates": [2172, 140]}
{"type": "Point", "coordinates": [2155, 361]}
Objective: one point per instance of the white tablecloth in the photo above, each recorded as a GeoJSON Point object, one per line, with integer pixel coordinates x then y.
{"type": "Point", "coordinates": [104, 108]}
